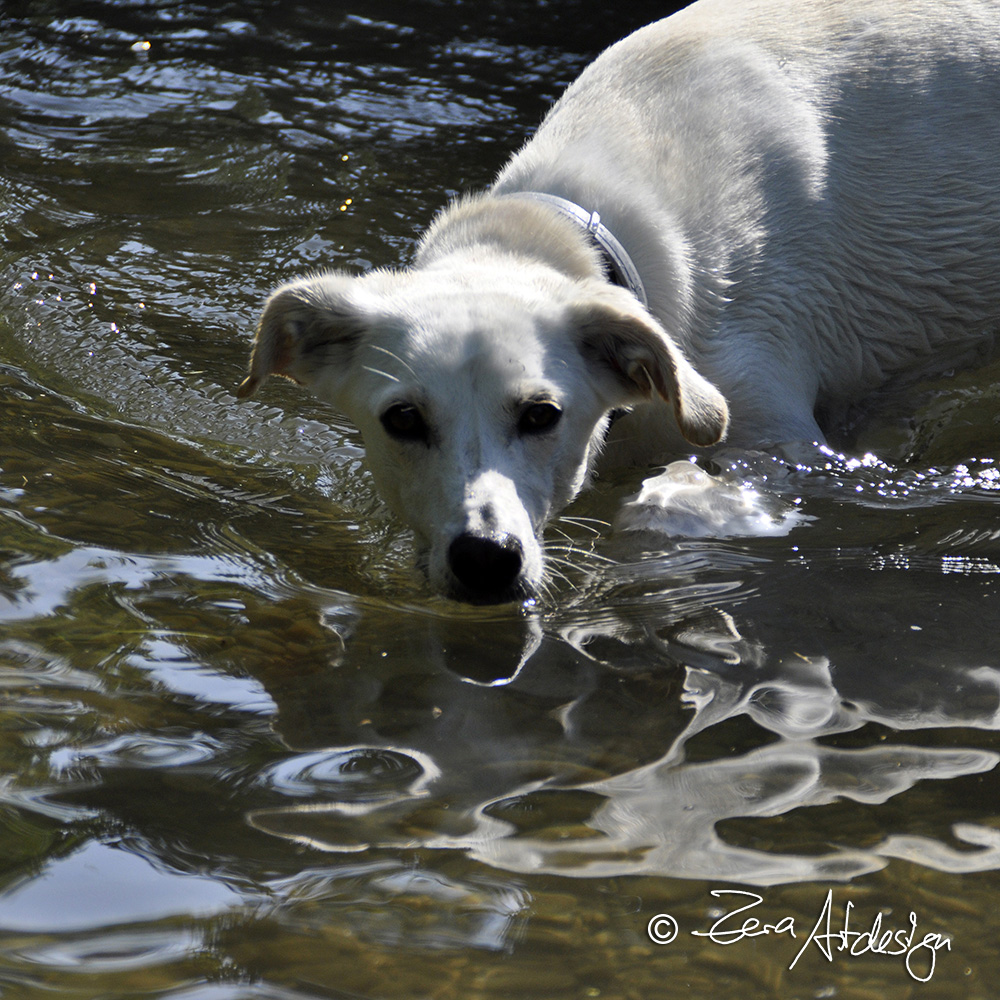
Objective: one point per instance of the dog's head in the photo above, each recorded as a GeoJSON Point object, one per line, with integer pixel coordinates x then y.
{"type": "Point", "coordinates": [482, 393]}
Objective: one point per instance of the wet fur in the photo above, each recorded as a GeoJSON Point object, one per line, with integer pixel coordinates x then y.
{"type": "Point", "coordinates": [811, 193]}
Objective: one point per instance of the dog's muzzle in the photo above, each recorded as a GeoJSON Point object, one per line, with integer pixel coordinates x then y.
{"type": "Point", "coordinates": [487, 569]}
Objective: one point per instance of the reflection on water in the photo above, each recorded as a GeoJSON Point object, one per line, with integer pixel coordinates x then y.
{"type": "Point", "coordinates": [662, 817]}
{"type": "Point", "coordinates": [243, 751]}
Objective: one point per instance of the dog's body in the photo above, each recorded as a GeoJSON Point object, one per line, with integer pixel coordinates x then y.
{"type": "Point", "coordinates": [810, 194]}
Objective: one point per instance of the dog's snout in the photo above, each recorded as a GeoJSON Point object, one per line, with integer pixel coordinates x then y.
{"type": "Point", "coordinates": [487, 568]}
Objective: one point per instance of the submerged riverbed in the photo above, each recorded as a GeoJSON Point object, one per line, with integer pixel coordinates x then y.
{"type": "Point", "coordinates": [244, 751]}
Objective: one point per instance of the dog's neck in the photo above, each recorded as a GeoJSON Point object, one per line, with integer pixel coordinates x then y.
{"type": "Point", "coordinates": [618, 264]}
{"type": "Point", "coordinates": [545, 227]}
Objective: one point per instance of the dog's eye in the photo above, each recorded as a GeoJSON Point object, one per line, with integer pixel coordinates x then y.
{"type": "Point", "coordinates": [539, 417]}
{"type": "Point", "coordinates": [404, 422]}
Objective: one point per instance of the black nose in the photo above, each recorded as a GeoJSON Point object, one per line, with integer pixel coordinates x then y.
{"type": "Point", "coordinates": [486, 568]}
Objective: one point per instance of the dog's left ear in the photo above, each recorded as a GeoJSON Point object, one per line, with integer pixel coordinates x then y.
{"type": "Point", "coordinates": [643, 360]}
{"type": "Point", "coordinates": [309, 327]}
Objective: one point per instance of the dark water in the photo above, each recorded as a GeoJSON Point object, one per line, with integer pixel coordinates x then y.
{"type": "Point", "coordinates": [245, 754]}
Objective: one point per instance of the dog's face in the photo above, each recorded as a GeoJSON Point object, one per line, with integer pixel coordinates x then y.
{"type": "Point", "coordinates": [482, 392]}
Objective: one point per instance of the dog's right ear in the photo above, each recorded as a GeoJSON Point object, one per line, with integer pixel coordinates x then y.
{"type": "Point", "coordinates": [309, 327]}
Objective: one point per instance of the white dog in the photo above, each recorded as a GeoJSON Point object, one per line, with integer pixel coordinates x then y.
{"type": "Point", "coordinates": [757, 211]}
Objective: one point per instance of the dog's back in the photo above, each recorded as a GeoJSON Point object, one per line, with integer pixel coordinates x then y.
{"type": "Point", "coordinates": [812, 192]}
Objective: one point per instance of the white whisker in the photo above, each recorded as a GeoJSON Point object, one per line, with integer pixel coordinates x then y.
{"type": "Point", "coordinates": [394, 356]}
{"type": "Point", "coordinates": [556, 566]}
{"type": "Point", "coordinates": [587, 523]}
{"type": "Point", "coordinates": [565, 534]}
{"type": "Point", "coordinates": [554, 570]}
{"type": "Point", "coordinates": [584, 555]}
{"type": "Point", "coordinates": [546, 590]}
{"type": "Point", "coordinates": [378, 371]}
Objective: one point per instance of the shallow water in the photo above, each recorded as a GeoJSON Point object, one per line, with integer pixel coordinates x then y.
{"type": "Point", "coordinates": [244, 753]}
